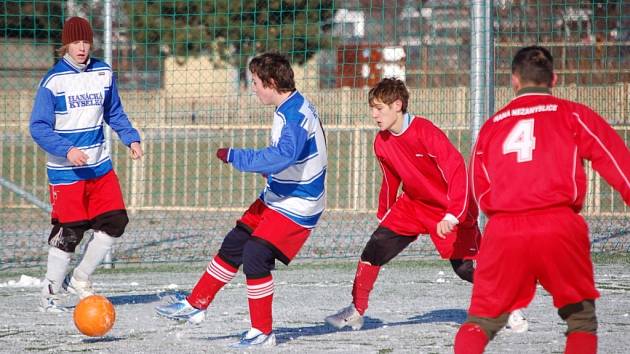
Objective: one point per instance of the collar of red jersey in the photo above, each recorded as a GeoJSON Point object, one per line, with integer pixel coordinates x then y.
{"type": "Point", "coordinates": [533, 89]}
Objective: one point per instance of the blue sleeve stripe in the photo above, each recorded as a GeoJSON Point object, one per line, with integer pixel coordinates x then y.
{"type": "Point", "coordinates": [312, 190]}
{"type": "Point", "coordinates": [85, 138]}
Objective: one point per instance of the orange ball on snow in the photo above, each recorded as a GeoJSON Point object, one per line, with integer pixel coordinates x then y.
{"type": "Point", "coordinates": [94, 316]}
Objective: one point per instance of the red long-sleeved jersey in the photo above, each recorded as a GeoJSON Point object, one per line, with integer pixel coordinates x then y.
{"type": "Point", "coordinates": [529, 155]}
{"type": "Point", "coordinates": [427, 164]}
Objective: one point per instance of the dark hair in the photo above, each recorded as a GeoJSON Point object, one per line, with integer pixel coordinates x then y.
{"type": "Point", "coordinates": [274, 70]}
{"type": "Point", "coordinates": [533, 65]}
{"type": "Point", "coordinates": [388, 91]}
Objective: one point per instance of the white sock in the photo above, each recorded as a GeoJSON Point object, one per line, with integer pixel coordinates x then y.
{"type": "Point", "coordinates": [56, 270]}
{"type": "Point", "coordinates": [94, 254]}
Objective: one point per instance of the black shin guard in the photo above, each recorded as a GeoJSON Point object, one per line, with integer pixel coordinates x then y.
{"type": "Point", "coordinates": [231, 250]}
{"type": "Point", "coordinates": [258, 259]}
{"type": "Point", "coordinates": [67, 236]}
{"type": "Point", "coordinates": [112, 223]}
{"type": "Point", "coordinates": [464, 268]}
{"type": "Point", "coordinates": [384, 245]}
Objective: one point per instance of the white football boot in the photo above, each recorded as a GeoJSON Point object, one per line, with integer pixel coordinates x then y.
{"type": "Point", "coordinates": [348, 316]}
{"type": "Point", "coordinates": [80, 288]}
{"type": "Point", "coordinates": [517, 322]}
{"type": "Point", "coordinates": [181, 310]}
{"type": "Point", "coordinates": [50, 302]}
{"type": "Point", "coordinates": [255, 339]}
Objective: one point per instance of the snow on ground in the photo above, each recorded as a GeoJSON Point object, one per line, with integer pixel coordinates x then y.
{"type": "Point", "coordinates": [25, 281]}
{"type": "Point", "coordinates": [416, 307]}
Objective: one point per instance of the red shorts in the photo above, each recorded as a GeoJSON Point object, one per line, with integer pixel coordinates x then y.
{"type": "Point", "coordinates": [284, 234]}
{"type": "Point", "coordinates": [549, 247]}
{"type": "Point", "coordinates": [85, 200]}
{"type": "Point", "coordinates": [409, 217]}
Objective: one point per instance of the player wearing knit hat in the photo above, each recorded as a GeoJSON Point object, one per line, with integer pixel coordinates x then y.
{"type": "Point", "coordinates": [76, 29]}
{"type": "Point", "coordinates": [77, 38]}
{"type": "Point", "coordinates": [74, 101]}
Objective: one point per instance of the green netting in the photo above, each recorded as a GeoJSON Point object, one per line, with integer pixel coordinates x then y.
{"type": "Point", "coordinates": [181, 69]}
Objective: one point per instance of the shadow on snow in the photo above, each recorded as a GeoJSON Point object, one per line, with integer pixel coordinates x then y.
{"type": "Point", "coordinates": [286, 334]}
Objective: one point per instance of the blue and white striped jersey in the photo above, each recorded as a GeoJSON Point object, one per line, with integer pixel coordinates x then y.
{"type": "Point", "coordinates": [295, 162]}
{"type": "Point", "coordinates": [71, 105]}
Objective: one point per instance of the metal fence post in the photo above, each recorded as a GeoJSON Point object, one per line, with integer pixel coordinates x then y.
{"type": "Point", "coordinates": [107, 41]}
{"type": "Point", "coordinates": [481, 67]}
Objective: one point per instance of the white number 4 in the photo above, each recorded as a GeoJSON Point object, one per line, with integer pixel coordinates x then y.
{"type": "Point", "coordinates": [521, 140]}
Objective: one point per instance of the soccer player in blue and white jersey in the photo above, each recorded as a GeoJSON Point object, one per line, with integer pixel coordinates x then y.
{"type": "Point", "coordinates": [278, 223]}
{"type": "Point", "coordinates": [74, 101]}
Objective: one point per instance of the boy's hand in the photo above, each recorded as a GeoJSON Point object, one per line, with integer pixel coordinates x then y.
{"type": "Point", "coordinates": [136, 150]}
{"type": "Point", "coordinates": [223, 154]}
{"type": "Point", "coordinates": [77, 157]}
{"type": "Point", "coordinates": [444, 227]}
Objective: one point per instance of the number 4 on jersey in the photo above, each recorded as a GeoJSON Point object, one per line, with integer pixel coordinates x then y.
{"type": "Point", "coordinates": [521, 140]}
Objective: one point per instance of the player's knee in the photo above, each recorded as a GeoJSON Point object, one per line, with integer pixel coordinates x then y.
{"type": "Point", "coordinates": [580, 317]}
{"type": "Point", "coordinates": [112, 223]}
{"type": "Point", "coordinates": [232, 246]}
{"type": "Point", "coordinates": [464, 268]}
{"type": "Point", "coordinates": [67, 237]}
{"type": "Point", "coordinates": [490, 326]}
{"type": "Point", "coordinates": [258, 259]}
{"type": "Point", "coordinates": [383, 246]}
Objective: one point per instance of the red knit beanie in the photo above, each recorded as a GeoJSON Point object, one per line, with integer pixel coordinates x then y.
{"type": "Point", "coordinates": [76, 29]}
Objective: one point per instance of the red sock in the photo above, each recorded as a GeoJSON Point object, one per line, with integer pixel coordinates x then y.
{"type": "Point", "coordinates": [260, 299]}
{"type": "Point", "coordinates": [216, 276]}
{"type": "Point", "coordinates": [364, 281]}
{"type": "Point", "coordinates": [581, 343]}
{"type": "Point", "coordinates": [470, 339]}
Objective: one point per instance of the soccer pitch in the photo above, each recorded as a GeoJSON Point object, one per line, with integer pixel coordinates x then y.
{"type": "Point", "coordinates": [416, 307]}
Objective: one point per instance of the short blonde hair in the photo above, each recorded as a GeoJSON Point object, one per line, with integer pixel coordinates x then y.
{"type": "Point", "coordinates": [61, 51]}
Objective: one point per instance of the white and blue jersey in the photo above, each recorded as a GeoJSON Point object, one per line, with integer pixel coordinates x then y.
{"type": "Point", "coordinates": [71, 105]}
{"type": "Point", "coordinates": [295, 162]}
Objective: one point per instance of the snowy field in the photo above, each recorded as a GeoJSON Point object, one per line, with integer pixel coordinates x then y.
{"type": "Point", "coordinates": [416, 307]}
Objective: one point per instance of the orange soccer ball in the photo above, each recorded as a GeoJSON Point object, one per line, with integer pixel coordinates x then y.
{"type": "Point", "coordinates": [94, 316]}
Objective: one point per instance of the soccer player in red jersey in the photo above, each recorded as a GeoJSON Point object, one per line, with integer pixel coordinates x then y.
{"type": "Point", "coordinates": [528, 176]}
{"type": "Point", "coordinates": [435, 196]}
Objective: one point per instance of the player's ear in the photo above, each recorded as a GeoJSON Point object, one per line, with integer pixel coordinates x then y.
{"type": "Point", "coordinates": [554, 80]}
{"type": "Point", "coordinates": [516, 82]}
{"type": "Point", "coordinates": [397, 105]}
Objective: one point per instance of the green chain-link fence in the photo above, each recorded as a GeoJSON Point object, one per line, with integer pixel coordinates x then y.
{"type": "Point", "coordinates": [182, 75]}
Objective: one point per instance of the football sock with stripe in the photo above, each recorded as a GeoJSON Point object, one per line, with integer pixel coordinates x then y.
{"type": "Point", "coordinates": [213, 279]}
{"type": "Point", "coordinates": [260, 299]}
